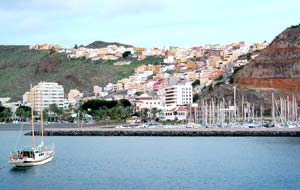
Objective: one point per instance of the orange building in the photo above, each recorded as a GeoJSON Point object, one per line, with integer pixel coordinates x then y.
{"type": "Point", "coordinates": [191, 65]}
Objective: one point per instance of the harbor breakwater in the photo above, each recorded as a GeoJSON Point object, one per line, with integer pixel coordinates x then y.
{"type": "Point", "coordinates": [95, 131]}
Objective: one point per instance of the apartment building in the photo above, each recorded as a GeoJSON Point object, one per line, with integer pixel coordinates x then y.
{"type": "Point", "coordinates": [46, 93]}
{"type": "Point", "coordinates": [181, 94]}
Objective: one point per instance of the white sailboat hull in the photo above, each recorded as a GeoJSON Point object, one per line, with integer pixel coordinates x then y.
{"type": "Point", "coordinates": [32, 162]}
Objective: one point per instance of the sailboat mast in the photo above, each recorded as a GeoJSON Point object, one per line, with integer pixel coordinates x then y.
{"type": "Point", "coordinates": [32, 117]}
{"type": "Point", "coordinates": [273, 109]}
{"type": "Point", "coordinates": [42, 121]}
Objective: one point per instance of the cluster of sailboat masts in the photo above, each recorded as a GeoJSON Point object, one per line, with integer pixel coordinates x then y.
{"type": "Point", "coordinates": [219, 113]}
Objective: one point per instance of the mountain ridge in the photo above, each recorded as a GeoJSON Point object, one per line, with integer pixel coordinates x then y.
{"type": "Point", "coordinates": [102, 44]}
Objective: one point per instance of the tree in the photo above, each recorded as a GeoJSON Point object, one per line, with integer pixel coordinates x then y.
{"type": "Point", "coordinates": [125, 103]}
{"type": "Point", "coordinates": [100, 114]}
{"type": "Point", "coordinates": [52, 50]}
{"type": "Point", "coordinates": [176, 113]}
{"type": "Point", "coordinates": [144, 114]}
{"type": "Point", "coordinates": [117, 113]}
{"type": "Point", "coordinates": [128, 112]}
{"type": "Point", "coordinates": [102, 109]}
{"type": "Point", "coordinates": [138, 93]}
{"type": "Point", "coordinates": [196, 83]}
{"type": "Point", "coordinates": [195, 97]}
{"type": "Point", "coordinates": [5, 114]}
{"type": "Point", "coordinates": [154, 112]}
{"type": "Point", "coordinates": [95, 104]}
{"type": "Point", "coordinates": [160, 113]}
{"type": "Point", "coordinates": [126, 54]}
{"type": "Point", "coordinates": [46, 114]}
{"type": "Point", "coordinates": [76, 46]}
{"type": "Point", "coordinates": [24, 112]}
{"type": "Point", "coordinates": [55, 110]}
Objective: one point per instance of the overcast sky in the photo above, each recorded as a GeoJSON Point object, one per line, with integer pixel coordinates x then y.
{"type": "Point", "coordinates": [144, 23]}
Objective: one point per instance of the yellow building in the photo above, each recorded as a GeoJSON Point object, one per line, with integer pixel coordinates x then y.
{"type": "Point", "coordinates": [139, 50]}
{"type": "Point", "coordinates": [259, 46]}
{"type": "Point", "coordinates": [191, 65]}
{"type": "Point", "coordinates": [157, 69]}
{"type": "Point", "coordinates": [191, 76]}
{"type": "Point", "coordinates": [213, 61]}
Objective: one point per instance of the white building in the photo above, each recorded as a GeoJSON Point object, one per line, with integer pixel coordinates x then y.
{"type": "Point", "coordinates": [12, 106]}
{"type": "Point", "coordinates": [4, 100]}
{"type": "Point", "coordinates": [46, 93]}
{"type": "Point", "coordinates": [148, 102]}
{"type": "Point", "coordinates": [97, 90]}
{"type": "Point", "coordinates": [108, 87]}
{"type": "Point", "coordinates": [176, 95]}
{"type": "Point", "coordinates": [74, 96]}
{"type": "Point", "coordinates": [26, 98]}
{"type": "Point", "coordinates": [178, 113]}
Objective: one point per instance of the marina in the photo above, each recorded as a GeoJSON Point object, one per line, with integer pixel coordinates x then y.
{"type": "Point", "coordinates": [231, 113]}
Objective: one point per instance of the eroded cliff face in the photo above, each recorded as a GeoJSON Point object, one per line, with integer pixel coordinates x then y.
{"type": "Point", "coordinates": [287, 84]}
{"type": "Point", "coordinates": [277, 66]}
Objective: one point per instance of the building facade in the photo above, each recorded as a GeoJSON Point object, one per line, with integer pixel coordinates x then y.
{"type": "Point", "coordinates": [74, 96]}
{"type": "Point", "coordinates": [176, 95]}
{"type": "Point", "coordinates": [148, 102]}
{"type": "Point", "coordinates": [45, 94]}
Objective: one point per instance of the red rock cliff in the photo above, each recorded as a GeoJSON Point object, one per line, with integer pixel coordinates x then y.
{"type": "Point", "coordinates": [277, 66]}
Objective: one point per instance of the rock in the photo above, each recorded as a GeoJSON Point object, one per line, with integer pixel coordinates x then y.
{"type": "Point", "coordinates": [277, 66]}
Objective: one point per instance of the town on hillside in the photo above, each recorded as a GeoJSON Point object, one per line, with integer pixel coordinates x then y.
{"type": "Point", "coordinates": [160, 92]}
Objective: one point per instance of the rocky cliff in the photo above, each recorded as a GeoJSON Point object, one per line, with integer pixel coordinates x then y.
{"type": "Point", "coordinates": [277, 66]}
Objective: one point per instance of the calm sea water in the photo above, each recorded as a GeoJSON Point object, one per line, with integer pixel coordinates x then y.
{"type": "Point", "coordinates": [157, 163]}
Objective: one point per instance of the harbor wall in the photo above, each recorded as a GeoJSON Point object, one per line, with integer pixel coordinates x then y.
{"type": "Point", "coordinates": [267, 132]}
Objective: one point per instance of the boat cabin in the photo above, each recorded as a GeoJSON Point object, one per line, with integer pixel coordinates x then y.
{"type": "Point", "coordinates": [28, 153]}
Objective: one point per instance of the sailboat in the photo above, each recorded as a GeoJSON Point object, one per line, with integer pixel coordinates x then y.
{"type": "Point", "coordinates": [33, 155]}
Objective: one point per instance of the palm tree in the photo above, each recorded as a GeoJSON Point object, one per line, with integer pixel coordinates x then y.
{"type": "Point", "coordinates": [144, 114]}
{"type": "Point", "coordinates": [23, 112]}
{"type": "Point", "coordinates": [57, 112]}
{"type": "Point", "coordinates": [160, 113]}
{"type": "Point", "coordinates": [154, 112]}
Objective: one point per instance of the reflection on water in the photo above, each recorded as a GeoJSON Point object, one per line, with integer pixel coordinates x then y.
{"type": "Point", "coordinates": [18, 170]}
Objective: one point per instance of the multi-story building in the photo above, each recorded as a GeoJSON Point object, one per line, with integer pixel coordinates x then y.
{"type": "Point", "coordinates": [148, 102]}
{"type": "Point", "coordinates": [181, 94]}
{"type": "Point", "coordinates": [74, 96]}
{"type": "Point", "coordinates": [26, 98]}
{"type": "Point", "coordinates": [45, 94]}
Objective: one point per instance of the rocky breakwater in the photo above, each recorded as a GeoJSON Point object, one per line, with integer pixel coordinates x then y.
{"type": "Point", "coordinates": [94, 131]}
{"type": "Point", "coordinates": [277, 66]}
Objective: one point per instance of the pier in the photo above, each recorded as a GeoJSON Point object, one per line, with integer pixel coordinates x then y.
{"type": "Point", "coordinates": [96, 131]}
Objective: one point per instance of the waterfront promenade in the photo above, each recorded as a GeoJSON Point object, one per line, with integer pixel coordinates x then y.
{"type": "Point", "coordinates": [100, 131]}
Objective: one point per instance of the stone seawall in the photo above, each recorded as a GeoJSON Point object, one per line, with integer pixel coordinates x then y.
{"type": "Point", "coordinates": [283, 132]}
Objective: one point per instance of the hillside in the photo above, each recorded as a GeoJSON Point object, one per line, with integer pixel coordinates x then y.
{"type": "Point", "coordinates": [20, 66]}
{"type": "Point", "coordinates": [102, 44]}
{"type": "Point", "coordinates": [275, 71]}
{"type": "Point", "coordinates": [277, 66]}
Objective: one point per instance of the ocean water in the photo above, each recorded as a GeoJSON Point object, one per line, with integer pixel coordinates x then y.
{"type": "Point", "coordinates": [157, 163]}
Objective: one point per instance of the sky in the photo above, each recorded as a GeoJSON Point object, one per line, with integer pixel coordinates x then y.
{"type": "Point", "coordinates": [144, 23]}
